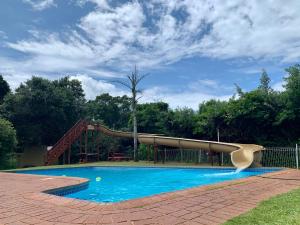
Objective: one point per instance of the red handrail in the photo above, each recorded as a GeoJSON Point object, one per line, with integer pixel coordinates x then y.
{"type": "Point", "coordinates": [65, 141]}
{"type": "Point", "coordinates": [69, 131]}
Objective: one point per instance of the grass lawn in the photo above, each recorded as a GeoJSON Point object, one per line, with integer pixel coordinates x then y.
{"type": "Point", "coordinates": [283, 209]}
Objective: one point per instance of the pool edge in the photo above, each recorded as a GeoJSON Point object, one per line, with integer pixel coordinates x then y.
{"type": "Point", "coordinates": [65, 190]}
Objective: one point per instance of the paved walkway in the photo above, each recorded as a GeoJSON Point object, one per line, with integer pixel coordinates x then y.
{"type": "Point", "coordinates": [22, 202]}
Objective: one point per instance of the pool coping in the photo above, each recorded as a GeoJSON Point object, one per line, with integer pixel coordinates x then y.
{"type": "Point", "coordinates": [148, 199]}
{"type": "Point", "coordinates": [209, 204]}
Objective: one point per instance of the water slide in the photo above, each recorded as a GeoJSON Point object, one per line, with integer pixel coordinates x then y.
{"type": "Point", "coordinates": [242, 155]}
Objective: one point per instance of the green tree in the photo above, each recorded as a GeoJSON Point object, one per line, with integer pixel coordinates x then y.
{"type": "Point", "coordinates": [289, 117]}
{"type": "Point", "coordinates": [114, 112]}
{"type": "Point", "coordinates": [211, 119]}
{"type": "Point", "coordinates": [8, 141]}
{"type": "Point", "coordinates": [4, 88]}
{"type": "Point", "coordinates": [239, 90]}
{"type": "Point", "coordinates": [42, 110]}
{"type": "Point", "coordinates": [70, 98]}
{"type": "Point", "coordinates": [265, 82]}
{"type": "Point", "coordinates": [251, 118]}
{"type": "Point", "coordinates": [292, 87]}
{"type": "Point", "coordinates": [181, 122]}
{"type": "Point", "coordinates": [153, 117]}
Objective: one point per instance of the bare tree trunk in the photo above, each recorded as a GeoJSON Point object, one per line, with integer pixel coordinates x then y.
{"type": "Point", "coordinates": [135, 135]}
{"type": "Point", "coordinates": [134, 80]}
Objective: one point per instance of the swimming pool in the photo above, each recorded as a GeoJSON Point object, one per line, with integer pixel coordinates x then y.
{"type": "Point", "coordinates": [115, 184]}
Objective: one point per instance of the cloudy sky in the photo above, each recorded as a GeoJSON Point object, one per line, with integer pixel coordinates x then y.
{"type": "Point", "coordinates": [194, 50]}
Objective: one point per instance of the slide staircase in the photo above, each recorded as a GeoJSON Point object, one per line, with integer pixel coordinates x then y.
{"type": "Point", "coordinates": [65, 142]}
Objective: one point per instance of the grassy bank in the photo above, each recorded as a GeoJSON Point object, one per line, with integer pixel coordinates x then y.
{"type": "Point", "coordinates": [279, 210]}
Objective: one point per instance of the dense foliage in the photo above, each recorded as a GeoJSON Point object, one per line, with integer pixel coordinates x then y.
{"type": "Point", "coordinates": [42, 110]}
{"type": "Point", "coordinates": [8, 142]}
{"type": "Point", "coordinates": [110, 111]}
{"type": "Point", "coordinates": [4, 88]}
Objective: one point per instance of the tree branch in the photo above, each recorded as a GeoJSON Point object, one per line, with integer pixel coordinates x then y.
{"type": "Point", "coordinates": [122, 83]}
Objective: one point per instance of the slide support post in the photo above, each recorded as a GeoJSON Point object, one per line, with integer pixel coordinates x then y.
{"type": "Point", "coordinates": [69, 154]}
{"type": "Point", "coordinates": [199, 156]}
{"type": "Point", "coordinates": [148, 153]}
{"type": "Point", "coordinates": [80, 148]}
{"type": "Point", "coordinates": [297, 157]}
{"type": "Point", "coordinates": [86, 144]}
{"type": "Point", "coordinates": [222, 159]}
{"type": "Point", "coordinates": [155, 152]}
{"type": "Point", "coordinates": [98, 146]}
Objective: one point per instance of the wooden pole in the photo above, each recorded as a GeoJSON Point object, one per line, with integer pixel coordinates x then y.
{"type": "Point", "coordinates": [93, 139]}
{"type": "Point", "coordinates": [85, 144]}
{"type": "Point", "coordinates": [222, 154]}
{"type": "Point", "coordinates": [211, 158]}
{"type": "Point", "coordinates": [181, 151]}
{"type": "Point", "coordinates": [199, 156]}
{"type": "Point", "coordinates": [148, 152]}
{"type": "Point", "coordinates": [297, 159]}
{"type": "Point", "coordinates": [155, 152]}
{"type": "Point", "coordinates": [69, 154]}
{"type": "Point", "coordinates": [98, 147]}
{"type": "Point", "coordinates": [64, 158]}
{"type": "Point", "coordinates": [80, 148]}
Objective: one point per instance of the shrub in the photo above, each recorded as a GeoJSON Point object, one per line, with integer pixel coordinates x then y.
{"type": "Point", "coordinates": [8, 142]}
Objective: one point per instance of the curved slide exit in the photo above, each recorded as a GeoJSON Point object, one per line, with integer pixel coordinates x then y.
{"type": "Point", "coordinates": [242, 155]}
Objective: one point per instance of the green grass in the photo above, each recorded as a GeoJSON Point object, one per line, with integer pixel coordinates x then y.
{"type": "Point", "coordinates": [129, 163]}
{"type": "Point", "coordinates": [279, 210]}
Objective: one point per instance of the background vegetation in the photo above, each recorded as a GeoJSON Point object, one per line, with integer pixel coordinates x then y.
{"type": "Point", "coordinates": [41, 111]}
{"type": "Point", "coordinates": [8, 142]}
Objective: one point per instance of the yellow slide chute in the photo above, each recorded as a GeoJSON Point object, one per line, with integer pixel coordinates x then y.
{"type": "Point", "coordinates": [242, 155]}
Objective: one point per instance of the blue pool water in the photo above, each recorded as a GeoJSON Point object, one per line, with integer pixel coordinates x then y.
{"type": "Point", "coordinates": [114, 184]}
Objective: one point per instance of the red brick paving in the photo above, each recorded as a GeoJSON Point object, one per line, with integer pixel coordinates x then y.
{"type": "Point", "coordinates": [22, 202]}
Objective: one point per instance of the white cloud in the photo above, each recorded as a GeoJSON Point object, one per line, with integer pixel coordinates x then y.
{"type": "Point", "coordinates": [111, 38]}
{"type": "Point", "coordinates": [52, 45]}
{"type": "Point", "coordinates": [15, 80]}
{"type": "Point", "coordinates": [3, 35]}
{"type": "Point", "coordinates": [93, 87]}
{"type": "Point", "coordinates": [40, 5]}
{"type": "Point", "coordinates": [157, 32]}
{"type": "Point", "coordinates": [279, 86]}
{"type": "Point", "coordinates": [205, 85]}
{"type": "Point", "coordinates": [189, 98]}
{"type": "Point", "coordinates": [52, 54]}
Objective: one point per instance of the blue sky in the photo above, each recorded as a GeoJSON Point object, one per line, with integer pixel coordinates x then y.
{"type": "Point", "coordinates": [194, 50]}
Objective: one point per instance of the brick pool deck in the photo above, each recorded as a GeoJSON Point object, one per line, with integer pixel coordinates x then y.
{"type": "Point", "coordinates": [22, 201]}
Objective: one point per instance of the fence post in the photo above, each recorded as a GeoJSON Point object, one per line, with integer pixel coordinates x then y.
{"type": "Point", "coordinates": [222, 158]}
{"type": "Point", "coordinates": [297, 159]}
{"type": "Point", "coordinates": [222, 154]}
{"type": "Point", "coordinates": [155, 149]}
{"type": "Point", "coordinates": [199, 156]}
{"type": "Point", "coordinates": [181, 155]}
